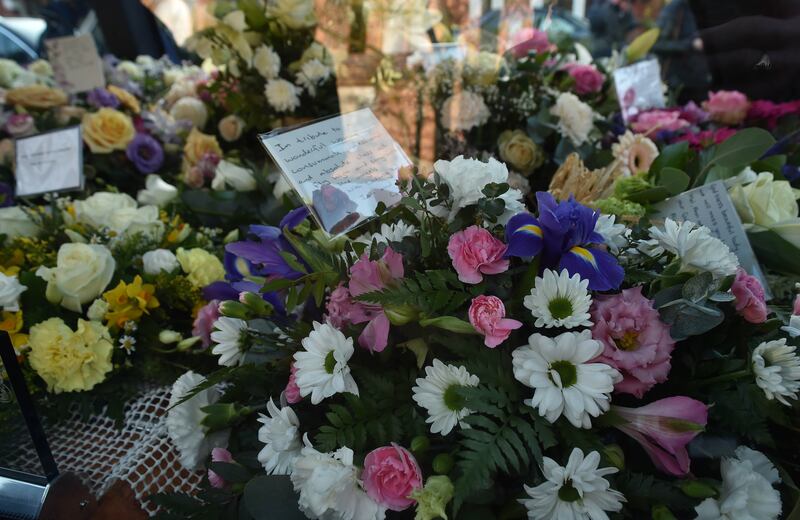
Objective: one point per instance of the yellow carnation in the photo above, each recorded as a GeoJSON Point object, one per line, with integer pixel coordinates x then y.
{"type": "Point", "coordinates": [70, 361]}
{"type": "Point", "coordinates": [126, 98]}
{"type": "Point", "coordinates": [36, 96]}
{"type": "Point", "coordinates": [201, 267]}
{"type": "Point", "coordinates": [107, 130]}
{"type": "Point", "coordinates": [127, 302]}
{"type": "Point", "coordinates": [197, 145]}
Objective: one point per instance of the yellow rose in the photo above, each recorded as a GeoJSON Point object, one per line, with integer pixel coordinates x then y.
{"type": "Point", "coordinates": [107, 130]}
{"type": "Point", "coordinates": [126, 98]}
{"type": "Point", "coordinates": [36, 96]}
{"type": "Point", "coordinates": [70, 361]}
{"type": "Point", "coordinates": [519, 151]}
{"type": "Point", "coordinates": [201, 267]}
{"type": "Point", "coordinates": [197, 145]}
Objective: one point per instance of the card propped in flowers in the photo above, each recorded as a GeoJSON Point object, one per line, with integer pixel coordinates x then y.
{"type": "Point", "coordinates": [341, 167]}
{"type": "Point", "coordinates": [76, 63]}
{"type": "Point", "coordinates": [49, 162]}
{"type": "Point", "coordinates": [639, 88]}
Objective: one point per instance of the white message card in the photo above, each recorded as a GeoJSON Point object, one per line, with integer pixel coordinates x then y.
{"type": "Point", "coordinates": [341, 167]}
{"type": "Point", "coordinates": [49, 162]}
{"type": "Point", "coordinates": [711, 206]}
{"type": "Point", "coordinates": [77, 66]}
{"type": "Point", "coordinates": [638, 88]}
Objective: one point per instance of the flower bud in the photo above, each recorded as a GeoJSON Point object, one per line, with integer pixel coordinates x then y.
{"type": "Point", "coordinates": [188, 343]}
{"type": "Point", "coordinates": [450, 323]}
{"type": "Point", "coordinates": [615, 456]}
{"type": "Point", "coordinates": [400, 314]}
{"type": "Point", "coordinates": [443, 463]}
{"type": "Point", "coordinates": [697, 489]}
{"type": "Point", "coordinates": [255, 303]}
{"type": "Point", "coordinates": [234, 309]}
{"type": "Point", "coordinates": [169, 336]}
{"type": "Point", "coordinates": [420, 444]}
{"type": "Point", "coordinates": [662, 512]}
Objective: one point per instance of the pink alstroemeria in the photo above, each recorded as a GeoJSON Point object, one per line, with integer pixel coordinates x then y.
{"type": "Point", "coordinates": [664, 428]}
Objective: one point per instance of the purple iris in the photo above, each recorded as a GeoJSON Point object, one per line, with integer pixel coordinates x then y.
{"type": "Point", "coordinates": [564, 235]}
{"type": "Point", "coordinates": [100, 97]}
{"type": "Point", "coordinates": [6, 195]}
{"type": "Point", "coordinates": [145, 153]}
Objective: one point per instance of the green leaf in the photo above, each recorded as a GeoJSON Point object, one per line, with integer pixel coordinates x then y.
{"type": "Point", "coordinates": [743, 148]}
{"type": "Point", "coordinates": [673, 180]}
{"type": "Point", "coordinates": [641, 45]}
{"type": "Point", "coordinates": [450, 323]}
{"type": "Point", "coordinates": [672, 156]}
{"type": "Point", "coordinates": [775, 252]}
{"type": "Point", "coordinates": [230, 471]}
{"type": "Point", "coordinates": [271, 496]}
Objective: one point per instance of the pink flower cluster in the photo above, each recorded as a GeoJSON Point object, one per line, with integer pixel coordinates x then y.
{"type": "Point", "coordinates": [728, 107]}
{"type": "Point", "coordinates": [635, 341]}
{"type": "Point", "coordinates": [654, 121]}
{"type": "Point", "coordinates": [488, 315]}
{"type": "Point", "coordinates": [475, 252]}
{"type": "Point", "coordinates": [750, 300]}
{"type": "Point", "coordinates": [390, 475]}
{"type": "Point", "coordinates": [588, 79]}
{"type": "Point", "coordinates": [706, 138]}
{"type": "Point", "coordinates": [529, 39]}
{"type": "Point", "coordinates": [771, 112]}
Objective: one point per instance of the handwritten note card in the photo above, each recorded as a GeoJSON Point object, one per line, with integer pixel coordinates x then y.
{"type": "Point", "coordinates": [638, 88]}
{"type": "Point", "coordinates": [49, 162]}
{"type": "Point", "coordinates": [77, 66]}
{"type": "Point", "coordinates": [341, 167]}
{"type": "Point", "coordinates": [711, 206]}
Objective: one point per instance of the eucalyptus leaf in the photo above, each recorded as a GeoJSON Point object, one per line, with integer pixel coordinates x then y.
{"type": "Point", "coordinates": [698, 287]}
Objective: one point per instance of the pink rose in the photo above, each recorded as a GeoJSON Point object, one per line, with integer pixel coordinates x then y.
{"type": "Point", "coordinates": [587, 78]}
{"type": "Point", "coordinates": [728, 107]}
{"type": "Point", "coordinates": [654, 121]}
{"type": "Point", "coordinates": [292, 391]}
{"type": "Point", "coordinates": [390, 475]}
{"type": "Point", "coordinates": [203, 324]}
{"type": "Point", "coordinates": [636, 342]}
{"type": "Point", "coordinates": [218, 455]}
{"type": "Point", "coordinates": [487, 315]}
{"type": "Point", "coordinates": [750, 302]}
{"type": "Point", "coordinates": [476, 252]}
{"type": "Point", "coordinates": [529, 39]}
{"type": "Point", "coordinates": [20, 125]}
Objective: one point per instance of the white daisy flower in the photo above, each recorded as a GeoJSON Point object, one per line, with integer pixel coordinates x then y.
{"type": "Point", "coordinates": [777, 369]}
{"type": "Point", "coordinates": [437, 392]}
{"type": "Point", "coordinates": [696, 247]}
{"type": "Point", "coordinates": [322, 369]}
{"type": "Point", "coordinates": [389, 233]}
{"type": "Point", "coordinates": [560, 300]}
{"type": "Point", "coordinates": [127, 343]}
{"type": "Point", "coordinates": [747, 492]}
{"type": "Point", "coordinates": [229, 337]}
{"type": "Point", "coordinates": [563, 380]}
{"type": "Point", "coordinates": [281, 435]}
{"type": "Point", "coordinates": [615, 235]}
{"type": "Point", "coordinates": [185, 421]}
{"type": "Point", "coordinates": [282, 95]}
{"type": "Point", "coordinates": [575, 491]}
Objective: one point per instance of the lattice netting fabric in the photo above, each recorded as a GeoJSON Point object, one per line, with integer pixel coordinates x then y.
{"type": "Point", "coordinates": [139, 453]}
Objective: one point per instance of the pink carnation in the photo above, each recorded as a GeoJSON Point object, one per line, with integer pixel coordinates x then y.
{"type": "Point", "coordinates": [218, 455]}
{"type": "Point", "coordinates": [654, 121]}
{"type": "Point", "coordinates": [728, 107]}
{"type": "Point", "coordinates": [636, 342]}
{"type": "Point", "coordinates": [390, 475]}
{"type": "Point", "coordinates": [529, 39]}
{"type": "Point", "coordinates": [750, 301]}
{"type": "Point", "coordinates": [488, 315]}
{"type": "Point", "coordinates": [203, 324]}
{"type": "Point", "coordinates": [587, 78]}
{"type": "Point", "coordinates": [292, 391]}
{"type": "Point", "coordinates": [476, 252]}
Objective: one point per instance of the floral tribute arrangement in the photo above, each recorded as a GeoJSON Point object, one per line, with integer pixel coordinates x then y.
{"type": "Point", "coordinates": [464, 358]}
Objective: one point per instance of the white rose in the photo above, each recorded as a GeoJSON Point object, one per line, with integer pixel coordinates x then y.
{"type": "Point", "coordinates": [575, 118]}
{"type": "Point", "coordinates": [10, 289]}
{"type": "Point", "coordinates": [294, 14]}
{"type": "Point", "coordinates": [267, 62]}
{"type": "Point", "coordinates": [15, 222]}
{"type": "Point", "coordinates": [97, 310]}
{"type": "Point", "coordinates": [230, 127]}
{"type": "Point", "coordinates": [765, 202]}
{"type": "Point", "coordinates": [190, 109]}
{"type": "Point", "coordinates": [157, 191]}
{"type": "Point", "coordinates": [235, 20]}
{"type": "Point", "coordinates": [82, 273]}
{"type": "Point", "coordinates": [97, 210]}
{"type": "Point", "coordinates": [238, 178]}
{"type": "Point", "coordinates": [131, 221]}
{"type": "Point", "coordinates": [282, 95]}
{"type": "Point", "coordinates": [463, 111]}
{"type": "Point", "coordinates": [159, 260]}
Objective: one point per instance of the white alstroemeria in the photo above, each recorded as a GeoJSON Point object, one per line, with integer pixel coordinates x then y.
{"type": "Point", "coordinates": [615, 235]}
{"type": "Point", "coordinates": [777, 369]}
{"type": "Point", "coordinates": [559, 300]}
{"type": "Point", "coordinates": [322, 369]}
{"type": "Point", "coordinates": [437, 392]}
{"type": "Point", "coordinates": [157, 192]}
{"type": "Point", "coordinates": [281, 435]}
{"type": "Point", "coordinates": [233, 175]}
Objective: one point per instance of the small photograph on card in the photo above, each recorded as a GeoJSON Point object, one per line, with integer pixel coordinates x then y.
{"type": "Point", "coordinates": [49, 162]}
{"type": "Point", "coordinates": [341, 167]}
{"type": "Point", "coordinates": [638, 88]}
{"type": "Point", "coordinates": [77, 66]}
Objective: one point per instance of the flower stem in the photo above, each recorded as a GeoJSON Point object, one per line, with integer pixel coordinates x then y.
{"type": "Point", "coordinates": [732, 376]}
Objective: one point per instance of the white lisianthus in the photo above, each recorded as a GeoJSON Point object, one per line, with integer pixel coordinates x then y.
{"type": "Point", "coordinates": [282, 95]}
{"type": "Point", "coordinates": [294, 14]}
{"type": "Point", "coordinates": [281, 435]}
{"type": "Point", "coordinates": [267, 62]}
{"type": "Point", "coordinates": [157, 191]}
{"type": "Point", "coordinates": [231, 127]}
{"type": "Point", "coordinates": [463, 111]}
{"type": "Point", "coordinates": [233, 175]}
{"type": "Point", "coordinates": [765, 202]}
{"type": "Point", "coordinates": [97, 310]}
{"type": "Point", "coordinates": [10, 290]}
{"type": "Point", "coordinates": [312, 74]}
{"type": "Point", "coordinates": [82, 273]}
{"type": "Point", "coordinates": [190, 109]}
{"type": "Point", "coordinates": [159, 260]}
{"type": "Point", "coordinates": [575, 118]}
{"type": "Point", "coordinates": [235, 20]}
{"type": "Point", "coordinates": [777, 370]}
{"type": "Point", "coordinates": [16, 222]}
{"type": "Point", "coordinates": [697, 249]}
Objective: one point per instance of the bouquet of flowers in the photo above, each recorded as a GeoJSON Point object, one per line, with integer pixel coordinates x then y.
{"type": "Point", "coordinates": [465, 358]}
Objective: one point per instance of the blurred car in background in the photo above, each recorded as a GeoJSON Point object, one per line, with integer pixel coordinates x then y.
{"type": "Point", "coordinates": [21, 38]}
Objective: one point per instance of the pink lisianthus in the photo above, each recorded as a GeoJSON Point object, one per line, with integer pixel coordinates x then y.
{"type": "Point", "coordinates": [750, 301]}
{"type": "Point", "coordinates": [635, 341]}
{"type": "Point", "coordinates": [664, 428]}
{"type": "Point", "coordinates": [476, 252]}
{"type": "Point", "coordinates": [203, 324]}
{"type": "Point", "coordinates": [218, 455]}
{"type": "Point", "coordinates": [587, 78]}
{"type": "Point", "coordinates": [390, 475]}
{"type": "Point", "coordinates": [728, 107]}
{"type": "Point", "coordinates": [488, 315]}
{"type": "Point", "coordinates": [529, 39]}
{"type": "Point", "coordinates": [292, 391]}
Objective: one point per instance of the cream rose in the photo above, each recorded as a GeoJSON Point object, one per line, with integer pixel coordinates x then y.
{"type": "Point", "coordinates": [96, 211]}
{"type": "Point", "coordinates": [82, 273]}
{"type": "Point", "coordinates": [15, 222]}
{"type": "Point", "coordinates": [463, 111]}
{"type": "Point", "coordinates": [519, 151]}
{"type": "Point", "coordinates": [190, 109]}
{"type": "Point", "coordinates": [197, 145]}
{"type": "Point", "coordinates": [41, 68]}
{"type": "Point", "coordinates": [36, 96]}
{"type": "Point", "coordinates": [157, 191]}
{"type": "Point", "coordinates": [765, 202]}
{"type": "Point", "coordinates": [67, 113]}
{"type": "Point", "coordinates": [231, 127]}
{"type": "Point", "coordinates": [107, 130]}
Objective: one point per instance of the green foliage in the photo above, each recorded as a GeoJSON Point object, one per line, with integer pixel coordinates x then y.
{"type": "Point", "coordinates": [431, 292]}
{"type": "Point", "coordinates": [740, 410]}
{"type": "Point", "coordinates": [643, 491]}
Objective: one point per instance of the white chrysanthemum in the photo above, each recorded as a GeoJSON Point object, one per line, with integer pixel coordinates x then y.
{"type": "Point", "coordinates": [281, 435]}
{"type": "Point", "coordinates": [437, 392]}
{"type": "Point", "coordinates": [184, 422]}
{"type": "Point", "coordinates": [576, 491]}
{"type": "Point", "coordinates": [560, 300]}
{"type": "Point", "coordinates": [747, 492]}
{"type": "Point", "coordinates": [329, 487]}
{"type": "Point", "coordinates": [282, 95]}
{"type": "Point", "coordinates": [635, 152]}
{"type": "Point", "coordinates": [615, 235]}
{"type": "Point", "coordinates": [322, 369]}
{"type": "Point", "coordinates": [777, 370]}
{"type": "Point", "coordinates": [463, 111]}
{"type": "Point", "coordinates": [563, 380]}
{"type": "Point", "coordinates": [389, 233]}
{"type": "Point", "coordinates": [311, 74]}
{"type": "Point", "coordinates": [696, 247]}
{"type": "Point", "coordinates": [267, 62]}
{"type": "Point", "coordinates": [575, 118]}
{"type": "Point", "coordinates": [229, 335]}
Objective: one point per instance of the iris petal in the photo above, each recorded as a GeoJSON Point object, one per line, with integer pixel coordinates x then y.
{"type": "Point", "coordinates": [595, 265]}
{"type": "Point", "coordinates": [523, 235]}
